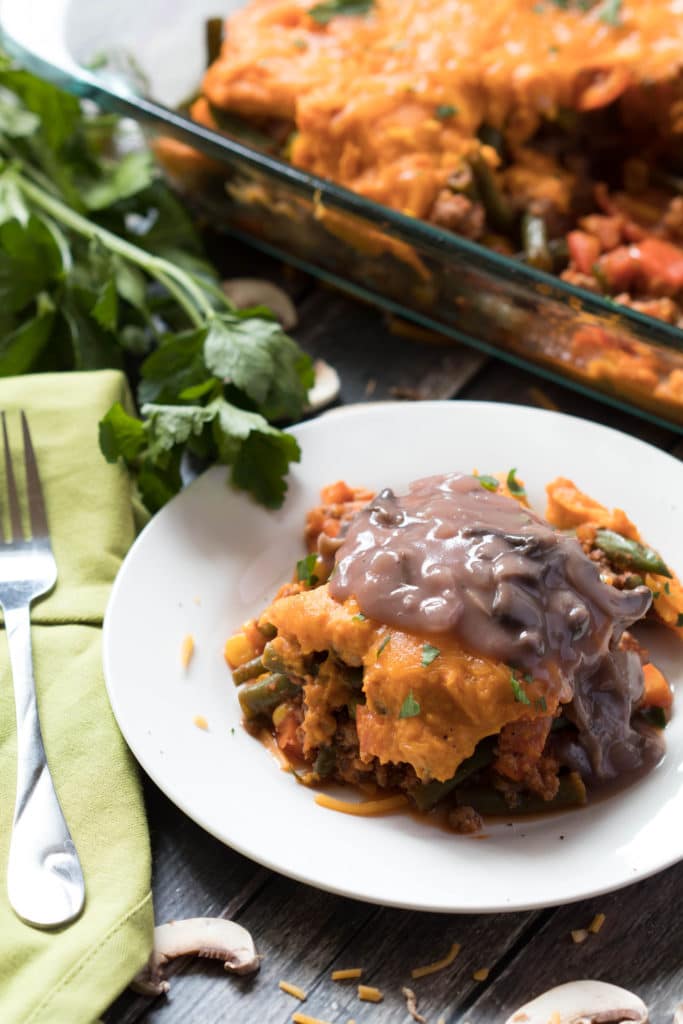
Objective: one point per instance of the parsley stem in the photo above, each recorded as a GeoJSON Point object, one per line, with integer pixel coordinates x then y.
{"type": "Point", "coordinates": [187, 292]}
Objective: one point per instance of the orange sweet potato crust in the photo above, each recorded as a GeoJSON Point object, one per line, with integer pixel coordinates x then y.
{"type": "Point", "coordinates": [387, 102]}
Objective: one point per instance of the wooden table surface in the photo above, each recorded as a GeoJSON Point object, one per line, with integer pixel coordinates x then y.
{"type": "Point", "coordinates": [302, 933]}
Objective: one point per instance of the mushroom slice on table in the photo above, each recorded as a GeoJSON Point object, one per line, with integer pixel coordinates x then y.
{"type": "Point", "coordinates": [582, 1002]}
{"type": "Point", "coordinates": [246, 292]}
{"type": "Point", "coordinates": [211, 937]}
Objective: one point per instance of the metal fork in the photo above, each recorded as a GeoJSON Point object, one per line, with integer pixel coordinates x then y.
{"type": "Point", "coordinates": [44, 877]}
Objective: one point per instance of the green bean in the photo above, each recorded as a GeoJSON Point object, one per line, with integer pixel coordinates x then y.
{"type": "Point", "coordinates": [263, 697]}
{"type": "Point", "coordinates": [535, 242]}
{"type": "Point", "coordinates": [499, 210]}
{"type": "Point", "coordinates": [268, 630]}
{"type": "Point", "coordinates": [486, 800]}
{"type": "Point", "coordinates": [249, 670]}
{"type": "Point", "coordinates": [630, 554]}
{"type": "Point", "coordinates": [461, 181]}
{"type": "Point", "coordinates": [431, 793]}
{"type": "Point", "coordinates": [214, 38]}
{"type": "Point", "coordinates": [272, 661]}
{"type": "Point", "coordinates": [325, 762]}
{"type": "Point", "coordinates": [492, 137]}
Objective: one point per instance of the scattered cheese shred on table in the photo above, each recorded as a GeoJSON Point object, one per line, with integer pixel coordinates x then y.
{"type": "Point", "coordinates": [344, 975]}
{"type": "Point", "coordinates": [303, 1018]}
{"type": "Point", "coordinates": [482, 974]}
{"type": "Point", "coordinates": [438, 965]}
{"type": "Point", "coordinates": [200, 722]}
{"type": "Point", "coordinates": [596, 924]}
{"type": "Point", "coordinates": [186, 650]}
{"type": "Point", "coordinates": [579, 935]}
{"type": "Point", "coordinates": [369, 994]}
{"type": "Point", "coordinates": [292, 990]}
{"type": "Point", "coordinates": [365, 809]}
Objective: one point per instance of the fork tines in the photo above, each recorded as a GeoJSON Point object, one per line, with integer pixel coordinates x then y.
{"type": "Point", "coordinates": [36, 502]}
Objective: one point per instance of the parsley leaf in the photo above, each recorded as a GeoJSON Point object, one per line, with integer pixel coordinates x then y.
{"type": "Point", "coordinates": [98, 261]}
{"type": "Point", "coordinates": [519, 694]}
{"type": "Point", "coordinates": [381, 647]}
{"type": "Point", "coordinates": [429, 654]}
{"type": "Point", "coordinates": [410, 707]}
{"type": "Point", "coordinates": [304, 569]}
{"type": "Point", "coordinates": [325, 11]}
{"type": "Point", "coordinates": [445, 110]}
{"type": "Point", "coordinates": [489, 482]}
{"type": "Point", "coordinates": [513, 484]}
{"type": "Point", "coordinates": [359, 617]}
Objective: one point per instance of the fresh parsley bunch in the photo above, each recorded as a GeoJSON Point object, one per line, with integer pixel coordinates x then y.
{"type": "Point", "coordinates": [100, 266]}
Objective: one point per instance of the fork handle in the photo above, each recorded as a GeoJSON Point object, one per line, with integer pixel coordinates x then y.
{"type": "Point", "coordinates": [44, 877]}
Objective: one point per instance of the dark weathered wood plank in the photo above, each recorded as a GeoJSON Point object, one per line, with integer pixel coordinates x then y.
{"type": "Point", "coordinates": [374, 363]}
{"type": "Point", "coordinates": [639, 947]}
{"type": "Point", "coordinates": [194, 875]}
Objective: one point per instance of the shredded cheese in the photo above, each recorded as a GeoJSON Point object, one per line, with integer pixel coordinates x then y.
{"type": "Point", "coordinates": [369, 994]}
{"type": "Point", "coordinates": [186, 650]}
{"type": "Point", "coordinates": [303, 1018]}
{"type": "Point", "coordinates": [344, 975]}
{"type": "Point", "coordinates": [482, 974]}
{"type": "Point", "coordinates": [292, 990]}
{"type": "Point", "coordinates": [579, 935]}
{"type": "Point", "coordinates": [201, 722]}
{"type": "Point", "coordinates": [596, 924]}
{"type": "Point", "coordinates": [438, 965]}
{"type": "Point", "coordinates": [365, 809]}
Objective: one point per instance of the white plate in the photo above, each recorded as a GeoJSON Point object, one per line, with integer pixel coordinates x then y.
{"type": "Point", "coordinates": [212, 559]}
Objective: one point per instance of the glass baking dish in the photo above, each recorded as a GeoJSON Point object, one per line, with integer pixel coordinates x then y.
{"type": "Point", "coordinates": [154, 58]}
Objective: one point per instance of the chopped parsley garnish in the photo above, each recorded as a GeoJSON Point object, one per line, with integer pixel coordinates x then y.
{"type": "Point", "coordinates": [518, 691]}
{"type": "Point", "coordinates": [300, 43]}
{"type": "Point", "coordinates": [445, 110]}
{"type": "Point", "coordinates": [360, 617]}
{"type": "Point", "coordinates": [610, 13]}
{"type": "Point", "coordinates": [540, 704]}
{"type": "Point", "coordinates": [429, 654]}
{"type": "Point", "coordinates": [667, 588]}
{"type": "Point", "coordinates": [656, 594]}
{"type": "Point", "coordinates": [489, 482]}
{"type": "Point", "coordinates": [325, 11]}
{"type": "Point", "coordinates": [514, 486]}
{"type": "Point", "coordinates": [410, 707]}
{"type": "Point", "coordinates": [381, 647]}
{"type": "Point", "coordinates": [304, 570]}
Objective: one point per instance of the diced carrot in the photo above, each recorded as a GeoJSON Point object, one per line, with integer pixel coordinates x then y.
{"type": "Point", "coordinates": [331, 527]}
{"type": "Point", "coordinates": [584, 250]}
{"type": "Point", "coordinates": [657, 692]}
{"type": "Point", "coordinates": [287, 739]}
{"type": "Point", "coordinates": [336, 494]}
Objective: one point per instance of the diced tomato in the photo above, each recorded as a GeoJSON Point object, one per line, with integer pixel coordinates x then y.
{"type": "Point", "coordinates": [606, 229]}
{"type": "Point", "coordinates": [661, 262]}
{"type": "Point", "coordinates": [620, 268]}
{"type": "Point", "coordinates": [584, 250]}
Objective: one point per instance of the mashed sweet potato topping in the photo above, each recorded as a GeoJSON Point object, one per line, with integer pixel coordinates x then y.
{"type": "Point", "coordinates": [387, 102]}
{"type": "Point", "coordinates": [463, 697]}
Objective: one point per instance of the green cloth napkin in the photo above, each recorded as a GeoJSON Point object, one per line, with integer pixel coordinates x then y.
{"type": "Point", "coordinates": [71, 975]}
